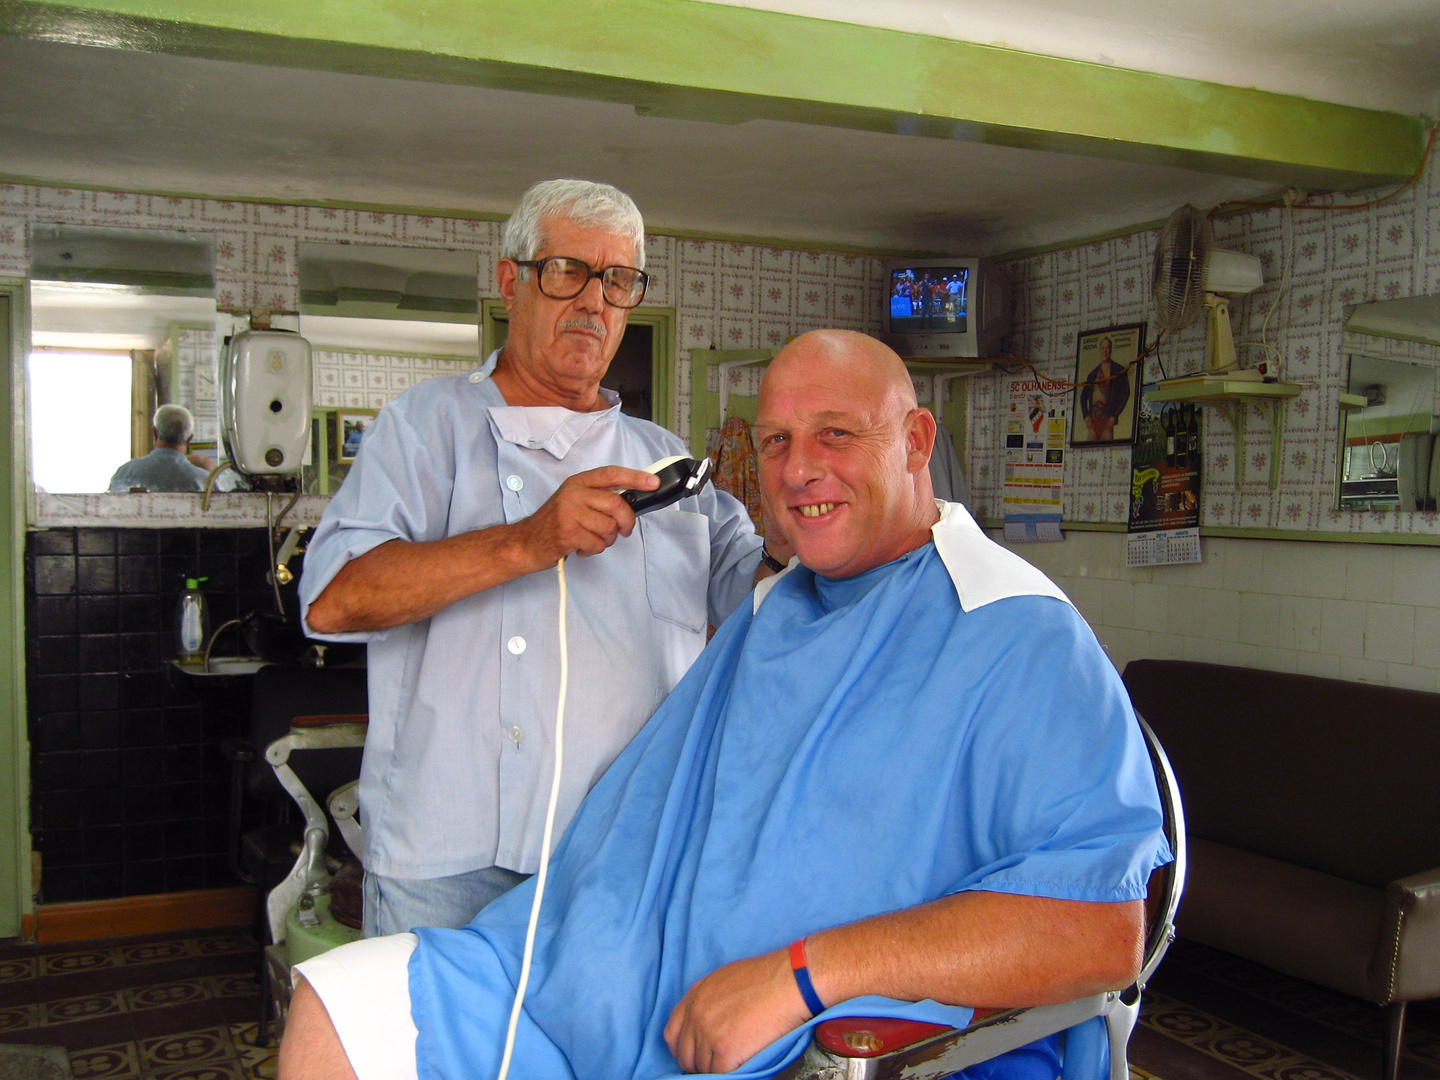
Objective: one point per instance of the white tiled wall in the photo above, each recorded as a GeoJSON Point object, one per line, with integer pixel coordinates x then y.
{"type": "Point", "coordinates": [725, 295]}
{"type": "Point", "coordinates": [1364, 612]}
{"type": "Point", "coordinates": [369, 380]}
{"type": "Point", "coordinates": [1336, 258]}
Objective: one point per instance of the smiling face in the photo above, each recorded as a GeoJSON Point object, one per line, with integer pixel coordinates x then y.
{"type": "Point", "coordinates": [557, 351]}
{"type": "Point", "coordinates": [843, 453]}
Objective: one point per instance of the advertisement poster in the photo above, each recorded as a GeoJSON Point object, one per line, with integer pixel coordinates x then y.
{"type": "Point", "coordinates": [1034, 430]}
{"type": "Point", "coordinates": [1164, 522]}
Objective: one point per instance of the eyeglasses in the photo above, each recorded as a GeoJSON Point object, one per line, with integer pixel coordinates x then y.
{"type": "Point", "coordinates": [563, 278]}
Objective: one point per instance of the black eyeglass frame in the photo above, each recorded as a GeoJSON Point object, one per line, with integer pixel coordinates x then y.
{"type": "Point", "coordinates": [538, 265]}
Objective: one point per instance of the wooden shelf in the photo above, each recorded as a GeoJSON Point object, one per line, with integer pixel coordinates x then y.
{"type": "Point", "coordinates": [930, 365]}
{"type": "Point", "coordinates": [1217, 388]}
{"type": "Point", "coordinates": [1231, 396]}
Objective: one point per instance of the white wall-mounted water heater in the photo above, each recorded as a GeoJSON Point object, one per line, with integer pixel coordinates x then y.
{"type": "Point", "coordinates": [265, 401]}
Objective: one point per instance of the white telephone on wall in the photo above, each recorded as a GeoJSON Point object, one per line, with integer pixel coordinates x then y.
{"type": "Point", "coordinates": [265, 401]}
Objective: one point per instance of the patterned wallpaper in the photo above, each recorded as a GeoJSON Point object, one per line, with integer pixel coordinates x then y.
{"type": "Point", "coordinates": [1337, 257]}
{"type": "Point", "coordinates": [726, 295]}
{"type": "Point", "coordinates": [731, 295]}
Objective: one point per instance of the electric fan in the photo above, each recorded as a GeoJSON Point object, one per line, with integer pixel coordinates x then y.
{"type": "Point", "coordinates": [1192, 275]}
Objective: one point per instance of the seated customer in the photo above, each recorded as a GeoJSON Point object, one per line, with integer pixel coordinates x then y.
{"type": "Point", "coordinates": [909, 751]}
{"type": "Point", "coordinates": [166, 468]}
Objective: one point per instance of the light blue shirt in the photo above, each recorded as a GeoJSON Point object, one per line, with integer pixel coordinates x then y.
{"type": "Point", "coordinates": [163, 469]}
{"type": "Point", "coordinates": [459, 755]}
{"type": "Point", "coordinates": [942, 723]}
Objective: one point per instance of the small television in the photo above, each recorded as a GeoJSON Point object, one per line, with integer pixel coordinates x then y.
{"type": "Point", "coordinates": [938, 309]}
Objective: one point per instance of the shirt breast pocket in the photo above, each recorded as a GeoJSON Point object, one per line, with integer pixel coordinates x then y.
{"type": "Point", "coordinates": [677, 566]}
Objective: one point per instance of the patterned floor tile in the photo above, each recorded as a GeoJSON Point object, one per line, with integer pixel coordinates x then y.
{"type": "Point", "coordinates": [17, 970]}
{"type": "Point", "coordinates": [188, 1047]}
{"type": "Point", "coordinates": [70, 963]}
{"type": "Point", "coordinates": [212, 1071]}
{"type": "Point", "coordinates": [88, 1007]}
{"type": "Point", "coordinates": [160, 995]}
{"type": "Point", "coordinates": [227, 986]}
{"type": "Point", "coordinates": [154, 952]}
{"type": "Point", "coordinates": [118, 1062]}
{"type": "Point", "coordinates": [1236, 1047]}
{"type": "Point", "coordinates": [258, 1061]}
{"type": "Point", "coordinates": [19, 1017]}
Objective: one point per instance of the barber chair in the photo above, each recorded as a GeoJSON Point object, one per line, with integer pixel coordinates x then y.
{"type": "Point", "coordinates": [301, 914]}
{"type": "Point", "coordinates": [857, 1048]}
{"type": "Point", "coordinates": [321, 713]}
{"type": "Point", "coordinates": [263, 856]}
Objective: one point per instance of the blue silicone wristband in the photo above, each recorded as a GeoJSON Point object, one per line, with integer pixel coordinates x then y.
{"type": "Point", "coordinates": [802, 978]}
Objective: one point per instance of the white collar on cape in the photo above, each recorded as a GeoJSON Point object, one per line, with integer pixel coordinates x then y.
{"type": "Point", "coordinates": [981, 569]}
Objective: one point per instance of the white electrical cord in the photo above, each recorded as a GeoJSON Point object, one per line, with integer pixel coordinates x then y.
{"type": "Point", "coordinates": [545, 839]}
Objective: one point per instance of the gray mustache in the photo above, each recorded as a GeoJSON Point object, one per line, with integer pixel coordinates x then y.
{"type": "Point", "coordinates": [582, 324]}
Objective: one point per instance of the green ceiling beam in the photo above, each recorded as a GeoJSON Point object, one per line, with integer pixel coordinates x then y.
{"type": "Point", "coordinates": [684, 59]}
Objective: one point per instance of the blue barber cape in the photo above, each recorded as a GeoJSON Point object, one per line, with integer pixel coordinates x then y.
{"type": "Point", "coordinates": [846, 748]}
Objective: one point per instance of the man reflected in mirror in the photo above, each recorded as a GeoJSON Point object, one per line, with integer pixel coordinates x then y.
{"type": "Point", "coordinates": [169, 466]}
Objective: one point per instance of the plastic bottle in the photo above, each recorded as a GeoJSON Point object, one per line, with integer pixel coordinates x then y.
{"type": "Point", "coordinates": [191, 623]}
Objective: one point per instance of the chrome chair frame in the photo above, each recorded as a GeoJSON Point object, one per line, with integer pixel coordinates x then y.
{"type": "Point", "coordinates": [855, 1053]}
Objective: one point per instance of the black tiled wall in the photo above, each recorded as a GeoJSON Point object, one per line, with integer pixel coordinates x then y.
{"type": "Point", "coordinates": [129, 788]}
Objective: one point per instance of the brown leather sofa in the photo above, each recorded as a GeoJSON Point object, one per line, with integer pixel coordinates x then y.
{"type": "Point", "coordinates": [1313, 811]}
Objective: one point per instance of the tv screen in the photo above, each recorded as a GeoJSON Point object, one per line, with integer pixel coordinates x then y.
{"type": "Point", "coordinates": [929, 300]}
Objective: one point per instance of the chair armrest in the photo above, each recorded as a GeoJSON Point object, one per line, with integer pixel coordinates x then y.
{"type": "Point", "coordinates": [317, 733]}
{"type": "Point", "coordinates": [860, 1048]}
{"type": "Point", "coordinates": [1409, 947]}
{"type": "Point", "coordinates": [329, 719]}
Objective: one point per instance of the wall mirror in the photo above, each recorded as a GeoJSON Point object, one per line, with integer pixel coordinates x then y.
{"type": "Point", "coordinates": [119, 319]}
{"type": "Point", "coordinates": [1389, 452]}
{"type": "Point", "coordinates": [379, 320]}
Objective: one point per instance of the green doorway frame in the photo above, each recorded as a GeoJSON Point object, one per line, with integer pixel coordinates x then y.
{"type": "Point", "coordinates": [662, 365]}
{"type": "Point", "coordinates": [16, 888]}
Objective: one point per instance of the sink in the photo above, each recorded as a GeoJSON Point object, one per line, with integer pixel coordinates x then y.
{"type": "Point", "coordinates": [223, 665]}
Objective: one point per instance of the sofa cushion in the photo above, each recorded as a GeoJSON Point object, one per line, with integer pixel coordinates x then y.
{"type": "Point", "coordinates": [1307, 924]}
{"type": "Point", "coordinates": [1335, 776]}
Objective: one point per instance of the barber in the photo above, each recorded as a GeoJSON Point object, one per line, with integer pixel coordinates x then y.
{"type": "Point", "coordinates": [440, 551]}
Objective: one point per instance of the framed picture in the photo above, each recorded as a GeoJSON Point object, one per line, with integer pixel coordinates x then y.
{"type": "Point", "coordinates": [1108, 375]}
{"type": "Point", "coordinates": [351, 425]}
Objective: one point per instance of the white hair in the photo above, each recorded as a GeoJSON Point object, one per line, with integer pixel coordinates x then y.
{"type": "Point", "coordinates": [173, 424]}
{"type": "Point", "coordinates": [584, 202]}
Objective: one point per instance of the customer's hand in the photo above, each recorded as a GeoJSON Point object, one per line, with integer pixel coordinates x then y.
{"type": "Point", "coordinates": [733, 1013]}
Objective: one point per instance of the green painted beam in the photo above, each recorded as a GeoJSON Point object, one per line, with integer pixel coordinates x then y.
{"type": "Point", "coordinates": [680, 58]}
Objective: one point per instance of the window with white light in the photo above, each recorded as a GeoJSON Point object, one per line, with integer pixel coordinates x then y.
{"type": "Point", "coordinates": [79, 419]}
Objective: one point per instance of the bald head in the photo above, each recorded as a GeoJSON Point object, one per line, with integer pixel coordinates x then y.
{"type": "Point", "coordinates": [869, 365]}
{"type": "Point", "coordinates": [843, 452]}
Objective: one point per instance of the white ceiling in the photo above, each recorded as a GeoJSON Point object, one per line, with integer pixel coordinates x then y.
{"type": "Point", "coordinates": [72, 114]}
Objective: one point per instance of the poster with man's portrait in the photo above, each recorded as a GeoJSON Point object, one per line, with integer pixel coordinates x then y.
{"type": "Point", "coordinates": [1107, 385]}
{"type": "Point", "coordinates": [352, 425]}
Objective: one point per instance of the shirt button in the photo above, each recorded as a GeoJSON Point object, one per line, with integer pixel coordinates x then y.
{"type": "Point", "coordinates": [516, 644]}
{"type": "Point", "coordinates": [476, 377]}
{"type": "Point", "coordinates": [514, 483]}
{"type": "Point", "coordinates": [516, 733]}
